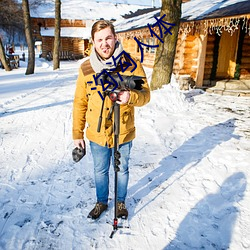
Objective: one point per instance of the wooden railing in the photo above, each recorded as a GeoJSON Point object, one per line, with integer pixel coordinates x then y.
{"type": "Point", "coordinates": [64, 55]}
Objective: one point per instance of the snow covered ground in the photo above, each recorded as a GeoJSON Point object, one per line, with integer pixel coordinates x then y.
{"type": "Point", "coordinates": [189, 170]}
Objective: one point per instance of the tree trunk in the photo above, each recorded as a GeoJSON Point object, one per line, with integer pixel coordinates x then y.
{"type": "Point", "coordinates": [29, 38]}
{"type": "Point", "coordinates": [56, 59]}
{"type": "Point", "coordinates": [165, 53]}
{"type": "Point", "coordinates": [3, 57]}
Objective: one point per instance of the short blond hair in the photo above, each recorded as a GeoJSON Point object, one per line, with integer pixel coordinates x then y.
{"type": "Point", "coordinates": [100, 25]}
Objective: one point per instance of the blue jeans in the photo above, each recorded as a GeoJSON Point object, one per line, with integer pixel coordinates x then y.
{"type": "Point", "coordinates": [102, 157]}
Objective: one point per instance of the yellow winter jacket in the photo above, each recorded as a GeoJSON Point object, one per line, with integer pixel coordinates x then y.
{"type": "Point", "coordinates": [87, 106]}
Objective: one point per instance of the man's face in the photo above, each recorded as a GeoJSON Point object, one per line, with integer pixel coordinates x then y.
{"type": "Point", "coordinates": [104, 42]}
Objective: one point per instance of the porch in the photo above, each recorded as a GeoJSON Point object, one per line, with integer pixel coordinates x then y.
{"type": "Point", "coordinates": [231, 87]}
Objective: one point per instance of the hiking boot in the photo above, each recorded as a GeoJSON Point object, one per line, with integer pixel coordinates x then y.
{"type": "Point", "coordinates": [122, 211]}
{"type": "Point", "coordinates": [97, 210]}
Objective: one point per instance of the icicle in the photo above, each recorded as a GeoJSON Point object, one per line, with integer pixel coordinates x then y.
{"type": "Point", "coordinates": [217, 25]}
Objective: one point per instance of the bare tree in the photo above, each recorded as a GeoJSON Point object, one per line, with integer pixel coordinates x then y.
{"type": "Point", "coordinates": [28, 33]}
{"type": "Point", "coordinates": [36, 3]}
{"type": "Point", "coordinates": [11, 24]}
{"type": "Point", "coordinates": [3, 57]}
{"type": "Point", "coordinates": [56, 59]}
{"type": "Point", "coordinates": [165, 53]}
{"type": "Point", "coordinates": [11, 16]}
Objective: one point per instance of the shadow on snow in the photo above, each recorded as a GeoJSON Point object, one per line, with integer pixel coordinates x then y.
{"type": "Point", "coordinates": [23, 110]}
{"type": "Point", "coordinates": [209, 225]}
{"type": "Point", "coordinates": [190, 153]}
{"type": "Point", "coordinates": [212, 226]}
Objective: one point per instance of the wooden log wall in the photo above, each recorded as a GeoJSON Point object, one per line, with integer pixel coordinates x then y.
{"type": "Point", "coordinates": [50, 22]}
{"type": "Point", "coordinates": [66, 44]}
{"type": "Point", "coordinates": [186, 55]}
{"type": "Point", "coordinates": [79, 46]}
{"type": "Point", "coordinates": [131, 46]}
{"type": "Point", "coordinates": [209, 57]}
{"type": "Point", "coordinates": [190, 56]}
{"type": "Point", "coordinates": [73, 45]}
{"type": "Point", "coordinates": [47, 45]}
{"type": "Point", "coordinates": [178, 61]}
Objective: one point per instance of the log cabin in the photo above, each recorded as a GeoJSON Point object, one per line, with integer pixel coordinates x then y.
{"type": "Point", "coordinates": [77, 18]}
{"type": "Point", "coordinates": [74, 37]}
{"type": "Point", "coordinates": [213, 42]}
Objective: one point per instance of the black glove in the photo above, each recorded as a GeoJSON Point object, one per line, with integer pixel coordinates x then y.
{"type": "Point", "coordinates": [78, 153]}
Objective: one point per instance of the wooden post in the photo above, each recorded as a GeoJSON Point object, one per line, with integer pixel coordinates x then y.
{"type": "Point", "coordinates": [201, 60]}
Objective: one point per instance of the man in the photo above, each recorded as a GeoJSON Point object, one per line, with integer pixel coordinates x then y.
{"type": "Point", "coordinates": [87, 107]}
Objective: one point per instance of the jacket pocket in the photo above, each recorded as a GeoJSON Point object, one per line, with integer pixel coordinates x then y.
{"type": "Point", "coordinates": [126, 119]}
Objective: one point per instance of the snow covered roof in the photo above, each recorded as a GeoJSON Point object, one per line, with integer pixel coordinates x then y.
{"type": "Point", "coordinates": [191, 11]}
{"type": "Point", "coordinates": [79, 32]}
{"type": "Point", "coordinates": [85, 10]}
{"type": "Point", "coordinates": [136, 22]}
{"type": "Point", "coordinates": [206, 9]}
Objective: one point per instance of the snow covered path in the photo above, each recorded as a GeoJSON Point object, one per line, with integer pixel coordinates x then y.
{"type": "Point", "coordinates": [189, 171]}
